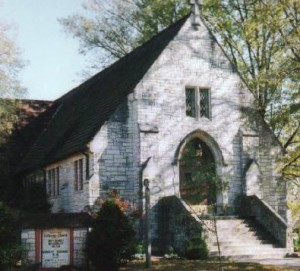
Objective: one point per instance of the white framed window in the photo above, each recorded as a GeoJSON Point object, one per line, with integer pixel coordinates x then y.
{"type": "Point", "coordinates": [78, 175]}
{"type": "Point", "coordinates": [197, 102]}
{"type": "Point", "coordinates": [53, 182]}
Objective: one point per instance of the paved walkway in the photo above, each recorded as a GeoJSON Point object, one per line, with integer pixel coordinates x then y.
{"type": "Point", "coordinates": [294, 262]}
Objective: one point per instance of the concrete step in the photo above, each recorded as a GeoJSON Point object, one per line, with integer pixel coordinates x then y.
{"type": "Point", "coordinates": [238, 247]}
{"type": "Point", "coordinates": [249, 257]}
{"type": "Point", "coordinates": [238, 243]}
{"type": "Point", "coordinates": [243, 239]}
{"type": "Point", "coordinates": [250, 250]}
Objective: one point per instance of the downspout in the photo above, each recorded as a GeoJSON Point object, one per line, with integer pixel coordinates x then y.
{"type": "Point", "coordinates": [141, 195]}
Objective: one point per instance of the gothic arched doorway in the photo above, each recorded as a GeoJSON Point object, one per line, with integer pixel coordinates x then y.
{"type": "Point", "coordinates": [198, 178]}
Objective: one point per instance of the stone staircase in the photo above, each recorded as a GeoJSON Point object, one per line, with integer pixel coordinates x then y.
{"type": "Point", "coordinates": [240, 239]}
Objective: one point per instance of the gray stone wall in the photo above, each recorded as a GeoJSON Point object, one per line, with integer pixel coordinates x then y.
{"type": "Point", "coordinates": [28, 245]}
{"type": "Point", "coordinates": [79, 256]}
{"type": "Point", "coordinates": [151, 127]}
{"type": "Point", "coordinates": [192, 59]}
{"type": "Point", "coordinates": [117, 149]}
{"type": "Point", "coordinates": [70, 200]}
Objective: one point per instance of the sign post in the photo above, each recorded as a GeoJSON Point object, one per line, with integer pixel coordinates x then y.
{"type": "Point", "coordinates": [148, 224]}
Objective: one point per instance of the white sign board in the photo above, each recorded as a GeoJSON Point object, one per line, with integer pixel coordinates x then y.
{"type": "Point", "coordinates": [55, 248]}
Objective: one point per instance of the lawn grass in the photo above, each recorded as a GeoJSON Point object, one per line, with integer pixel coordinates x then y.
{"type": "Point", "coordinates": [185, 265]}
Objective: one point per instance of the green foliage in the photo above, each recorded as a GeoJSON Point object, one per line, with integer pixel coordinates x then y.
{"type": "Point", "coordinates": [195, 248]}
{"type": "Point", "coordinates": [174, 221]}
{"type": "Point", "coordinates": [10, 248]}
{"type": "Point", "coordinates": [140, 248]}
{"type": "Point", "coordinates": [10, 89]}
{"type": "Point", "coordinates": [35, 199]}
{"type": "Point", "coordinates": [262, 40]}
{"type": "Point", "coordinates": [111, 243]}
{"type": "Point", "coordinates": [155, 15]}
{"type": "Point", "coordinates": [10, 65]}
{"type": "Point", "coordinates": [297, 244]}
{"type": "Point", "coordinates": [114, 28]}
{"type": "Point", "coordinates": [8, 118]}
{"type": "Point", "coordinates": [199, 183]}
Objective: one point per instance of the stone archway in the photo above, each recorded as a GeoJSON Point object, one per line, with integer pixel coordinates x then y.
{"type": "Point", "coordinates": [200, 162]}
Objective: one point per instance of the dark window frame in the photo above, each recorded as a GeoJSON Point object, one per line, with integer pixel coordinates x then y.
{"type": "Point", "coordinates": [53, 182]}
{"type": "Point", "coordinates": [78, 175]}
{"type": "Point", "coordinates": [198, 102]}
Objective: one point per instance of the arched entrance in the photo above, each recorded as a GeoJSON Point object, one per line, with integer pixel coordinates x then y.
{"type": "Point", "coordinates": [198, 176]}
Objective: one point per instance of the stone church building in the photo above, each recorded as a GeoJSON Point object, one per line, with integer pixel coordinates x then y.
{"type": "Point", "coordinates": [170, 111]}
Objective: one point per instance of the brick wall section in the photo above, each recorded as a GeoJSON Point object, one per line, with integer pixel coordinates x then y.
{"type": "Point", "coordinates": [28, 245]}
{"type": "Point", "coordinates": [79, 247]}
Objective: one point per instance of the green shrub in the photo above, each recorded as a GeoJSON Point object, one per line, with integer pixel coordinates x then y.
{"type": "Point", "coordinates": [35, 199]}
{"type": "Point", "coordinates": [10, 248]}
{"type": "Point", "coordinates": [297, 243]}
{"type": "Point", "coordinates": [111, 243]}
{"type": "Point", "coordinates": [175, 224]}
{"type": "Point", "coordinates": [195, 248]}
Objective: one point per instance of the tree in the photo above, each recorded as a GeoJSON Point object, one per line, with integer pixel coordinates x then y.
{"type": "Point", "coordinates": [10, 88]}
{"type": "Point", "coordinates": [261, 38]}
{"type": "Point", "coordinates": [116, 27]}
{"type": "Point", "coordinates": [35, 199]}
{"type": "Point", "coordinates": [111, 243]}
{"type": "Point", "coordinates": [10, 248]}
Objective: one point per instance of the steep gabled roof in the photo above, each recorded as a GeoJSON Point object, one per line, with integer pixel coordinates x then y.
{"type": "Point", "coordinates": [80, 113]}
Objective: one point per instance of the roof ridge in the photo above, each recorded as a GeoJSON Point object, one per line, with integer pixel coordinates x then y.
{"type": "Point", "coordinates": [125, 57]}
{"type": "Point", "coordinates": [85, 108]}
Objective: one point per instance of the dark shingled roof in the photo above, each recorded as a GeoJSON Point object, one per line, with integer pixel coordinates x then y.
{"type": "Point", "coordinates": [80, 113]}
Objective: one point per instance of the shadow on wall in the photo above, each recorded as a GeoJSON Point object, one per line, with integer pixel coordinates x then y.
{"type": "Point", "coordinates": [175, 226]}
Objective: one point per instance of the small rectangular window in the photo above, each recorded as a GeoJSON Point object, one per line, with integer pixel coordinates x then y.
{"type": "Point", "coordinates": [197, 102]}
{"type": "Point", "coordinates": [49, 184]}
{"type": "Point", "coordinates": [204, 102]}
{"type": "Point", "coordinates": [53, 185]}
{"type": "Point", "coordinates": [57, 181]}
{"type": "Point", "coordinates": [53, 182]}
{"type": "Point", "coordinates": [78, 174]}
{"type": "Point", "coordinates": [190, 102]}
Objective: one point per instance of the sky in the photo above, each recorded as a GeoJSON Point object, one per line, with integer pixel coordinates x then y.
{"type": "Point", "coordinates": [53, 63]}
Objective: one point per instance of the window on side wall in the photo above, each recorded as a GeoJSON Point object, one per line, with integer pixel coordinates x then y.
{"type": "Point", "coordinates": [78, 175]}
{"type": "Point", "coordinates": [197, 102]}
{"type": "Point", "coordinates": [53, 183]}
